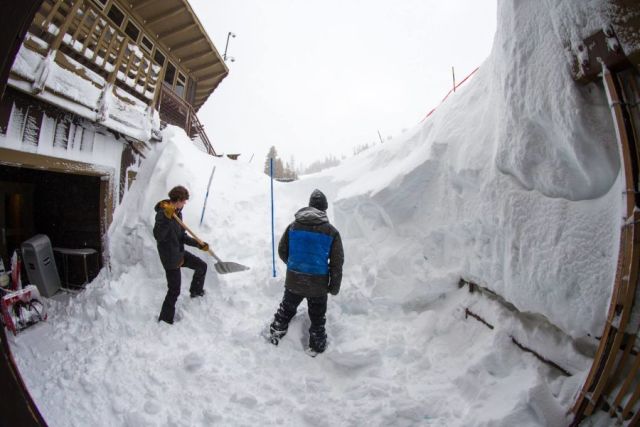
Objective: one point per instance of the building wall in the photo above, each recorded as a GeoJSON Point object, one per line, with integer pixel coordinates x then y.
{"type": "Point", "coordinates": [30, 126]}
{"type": "Point", "coordinates": [38, 136]}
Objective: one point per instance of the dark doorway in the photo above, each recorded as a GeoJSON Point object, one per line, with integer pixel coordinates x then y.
{"type": "Point", "coordinates": [63, 206]}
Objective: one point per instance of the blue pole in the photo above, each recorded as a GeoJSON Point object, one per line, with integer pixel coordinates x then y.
{"type": "Point", "coordinates": [273, 238]}
{"type": "Point", "coordinates": [206, 197]}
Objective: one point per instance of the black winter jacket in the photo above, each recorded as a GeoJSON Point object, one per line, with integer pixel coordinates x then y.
{"type": "Point", "coordinates": [171, 238]}
{"type": "Point", "coordinates": [312, 249]}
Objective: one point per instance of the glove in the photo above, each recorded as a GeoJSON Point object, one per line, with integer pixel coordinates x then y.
{"type": "Point", "coordinates": [333, 290]}
{"type": "Point", "coordinates": [169, 210]}
{"type": "Point", "coordinates": [204, 247]}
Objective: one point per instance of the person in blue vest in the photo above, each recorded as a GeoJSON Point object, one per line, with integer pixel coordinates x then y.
{"type": "Point", "coordinates": [312, 249]}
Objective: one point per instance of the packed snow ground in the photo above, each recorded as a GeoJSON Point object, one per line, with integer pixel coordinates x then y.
{"type": "Point", "coordinates": [512, 183]}
{"type": "Point", "coordinates": [393, 359]}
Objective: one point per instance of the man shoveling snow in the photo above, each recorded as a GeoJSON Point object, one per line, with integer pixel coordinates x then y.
{"type": "Point", "coordinates": [171, 238]}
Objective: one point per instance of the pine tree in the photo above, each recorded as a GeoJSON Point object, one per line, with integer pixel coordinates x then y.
{"type": "Point", "coordinates": [273, 154]}
{"type": "Point", "coordinates": [278, 173]}
{"type": "Point", "coordinates": [281, 171]}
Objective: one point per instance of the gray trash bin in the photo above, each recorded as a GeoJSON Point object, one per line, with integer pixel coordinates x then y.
{"type": "Point", "coordinates": [40, 264]}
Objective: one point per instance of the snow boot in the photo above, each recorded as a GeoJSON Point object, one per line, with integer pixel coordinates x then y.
{"type": "Point", "coordinates": [197, 294]}
{"type": "Point", "coordinates": [317, 341]}
{"type": "Point", "coordinates": [277, 330]}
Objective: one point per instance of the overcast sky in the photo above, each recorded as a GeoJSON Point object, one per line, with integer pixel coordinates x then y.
{"type": "Point", "coordinates": [319, 78]}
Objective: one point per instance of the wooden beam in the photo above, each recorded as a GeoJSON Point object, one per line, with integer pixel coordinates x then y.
{"type": "Point", "coordinates": [51, 14]}
{"type": "Point", "coordinates": [143, 4]}
{"type": "Point", "coordinates": [194, 56]}
{"type": "Point", "coordinates": [165, 15]}
{"type": "Point", "coordinates": [186, 43]}
{"type": "Point", "coordinates": [205, 66]}
{"type": "Point", "coordinates": [54, 164]}
{"type": "Point", "coordinates": [65, 26]}
{"type": "Point", "coordinates": [92, 30]}
{"type": "Point", "coordinates": [631, 375]}
{"type": "Point", "coordinates": [116, 66]}
{"type": "Point", "coordinates": [175, 31]}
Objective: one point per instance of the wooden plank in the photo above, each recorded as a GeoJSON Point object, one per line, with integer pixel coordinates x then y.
{"type": "Point", "coordinates": [627, 307]}
{"type": "Point", "coordinates": [143, 4]}
{"type": "Point", "coordinates": [629, 281]}
{"type": "Point", "coordinates": [631, 99]}
{"type": "Point", "coordinates": [107, 53]}
{"type": "Point", "coordinates": [63, 29]}
{"type": "Point", "coordinates": [166, 15]}
{"type": "Point", "coordinates": [635, 420]}
{"type": "Point", "coordinates": [91, 33]}
{"type": "Point", "coordinates": [158, 89]}
{"type": "Point", "coordinates": [628, 341]}
{"type": "Point", "coordinates": [103, 31]}
{"type": "Point", "coordinates": [177, 30]}
{"type": "Point", "coordinates": [631, 403]}
{"type": "Point", "coordinates": [49, 18]}
{"type": "Point", "coordinates": [85, 15]}
{"type": "Point", "coordinates": [127, 68]}
{"type": "Point", "coordinates": [625, 385]}
{"type": "Point", "coordinates": [118, 62]}
{"type": "Point", "coordinates": [141, 74]}
{"type": "Point", "coordinates": [605, 342]}
{"type": "Point", "coordinates": [626, 273]}
{"type": "Point", "coordinates": [148, 80]}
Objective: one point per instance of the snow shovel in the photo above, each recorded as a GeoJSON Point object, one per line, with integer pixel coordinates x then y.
{"type": "Point", "coordinates": [221, 266]}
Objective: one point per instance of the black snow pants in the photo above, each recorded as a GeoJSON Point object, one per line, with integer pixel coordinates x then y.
{"type": "Point", "coordinates": [173, 283]}
{"type": "Point", "coordinates": [317, 307]}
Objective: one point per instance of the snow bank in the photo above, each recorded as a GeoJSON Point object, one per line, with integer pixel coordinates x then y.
{"type": "Point", "coordinates": [511, 183]}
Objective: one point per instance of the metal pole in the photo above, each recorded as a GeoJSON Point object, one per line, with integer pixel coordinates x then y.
{"type": "Point", "coordinates": [224, 56]}
{"type": "Point", "coordinates": [453, 73]}
{"type": "Point", "coordinates": [206, 197]}
{"type": "Point", "coordinates": [273, 238]}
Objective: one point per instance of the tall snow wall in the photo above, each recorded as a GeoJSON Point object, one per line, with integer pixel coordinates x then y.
{"type": "Point", "coordinates": [513, 182]}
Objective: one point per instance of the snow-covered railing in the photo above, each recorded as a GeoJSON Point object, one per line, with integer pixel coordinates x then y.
{"type": "Point", "coordinates": [176, 111]}
{"type": "Point", "coordinates": [81, 30]}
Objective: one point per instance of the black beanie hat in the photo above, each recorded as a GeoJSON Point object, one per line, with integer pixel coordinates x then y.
{"type": "Point", "coordinates": [318, 200]}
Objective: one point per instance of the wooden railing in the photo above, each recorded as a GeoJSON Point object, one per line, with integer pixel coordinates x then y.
{"type": "Point", "coordinates": [613, 383]}
{"type": "Point", "coordinates": [81, 30]}
{"type": "Point", "coordinates": [176, 111]}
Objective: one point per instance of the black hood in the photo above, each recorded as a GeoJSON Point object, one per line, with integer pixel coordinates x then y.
{"type": "Point", "coordinates": [318, 200]}
{"type": "Point", "coordinates": [311, 216]}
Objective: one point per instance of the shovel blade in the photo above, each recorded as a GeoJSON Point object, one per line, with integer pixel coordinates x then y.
{"type": "Point", "coordinates": [229, 267]}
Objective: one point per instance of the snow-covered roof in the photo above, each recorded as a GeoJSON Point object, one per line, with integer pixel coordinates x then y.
{"type": "Point", "coordinates": [176, 26]}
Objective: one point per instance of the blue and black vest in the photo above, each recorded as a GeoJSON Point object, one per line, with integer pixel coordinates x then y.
{"type": "Point", "coordinates": [309, 252]}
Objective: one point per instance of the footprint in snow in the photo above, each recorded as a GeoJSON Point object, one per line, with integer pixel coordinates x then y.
{"type": "Point", "coordinates": [356, 357]}
{"type": "Point", "coordinates": [193, 361]}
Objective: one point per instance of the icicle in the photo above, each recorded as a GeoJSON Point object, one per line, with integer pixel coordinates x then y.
{"type": "Point", "coordinates": [148, 122]}
{"type": "Point", "coordinates": [104, 103]}
{"type": "Point", "coordinates": [42, 73]}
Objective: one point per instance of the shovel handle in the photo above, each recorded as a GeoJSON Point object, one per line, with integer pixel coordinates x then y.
{"type": "Point", "coordinates": [196, 238]}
